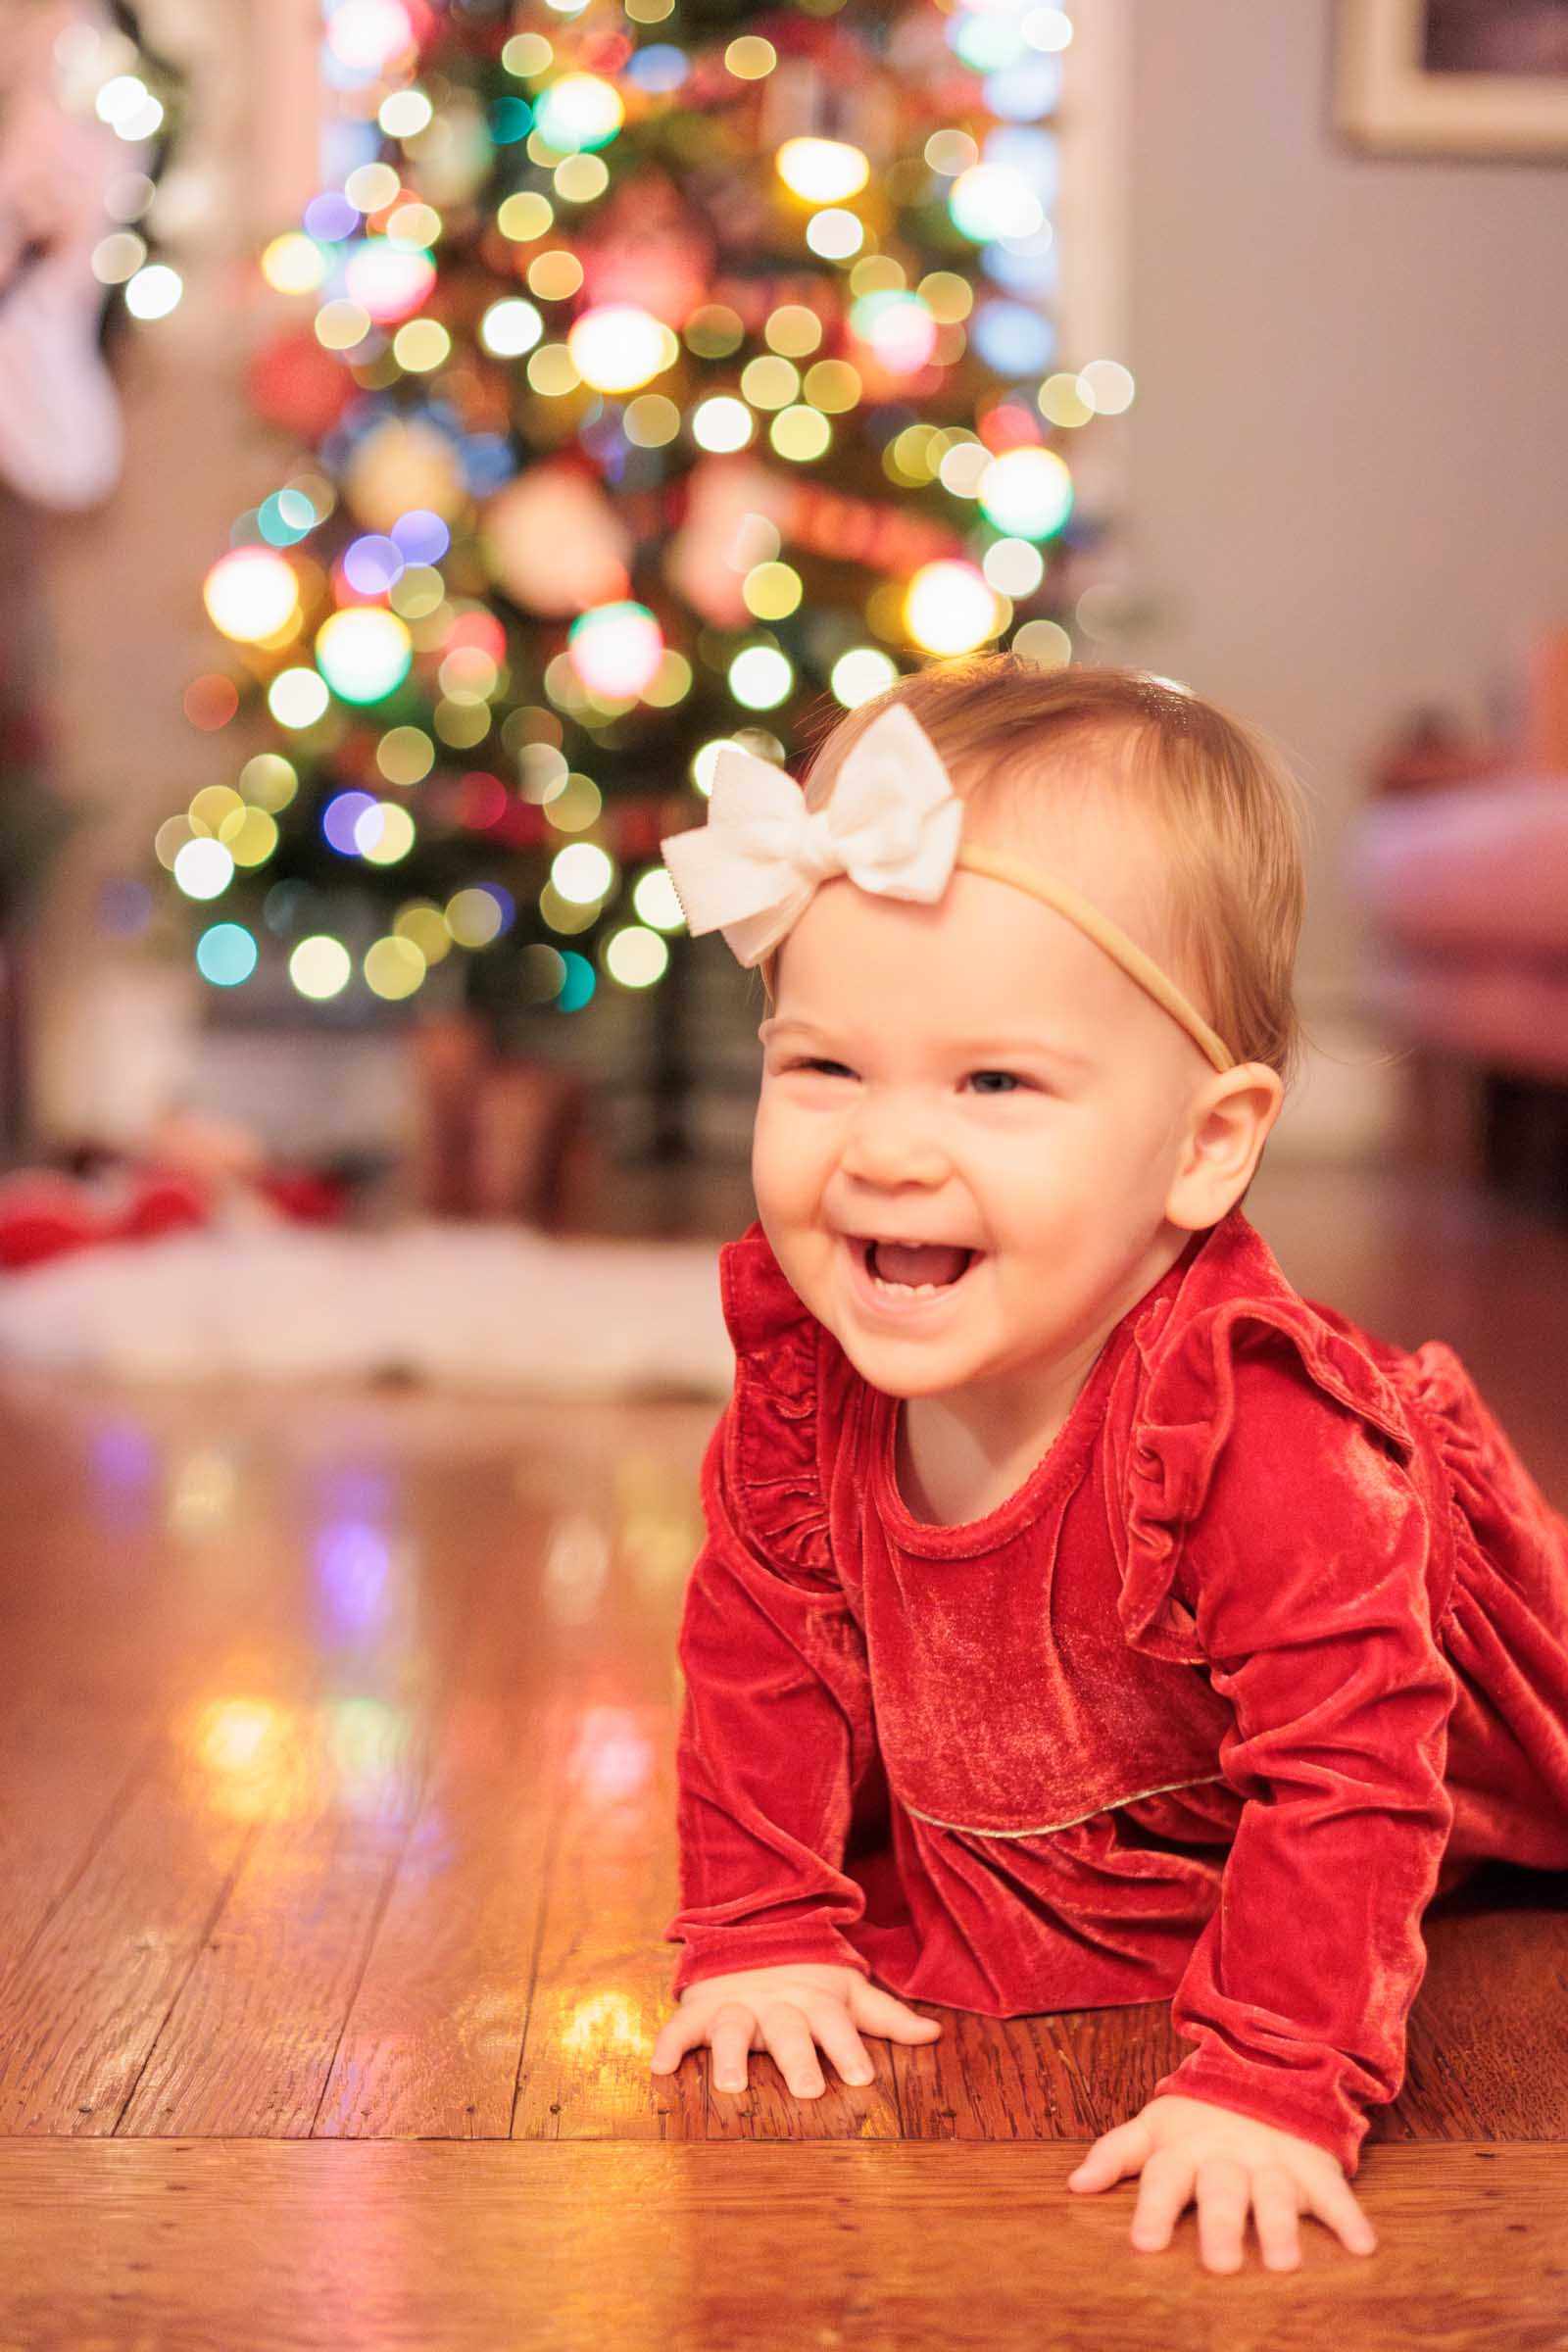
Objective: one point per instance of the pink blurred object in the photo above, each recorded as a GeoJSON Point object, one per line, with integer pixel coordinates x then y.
{"type": "Point", "coordinates": [1466, 888]}
{"type": "Point", "coordinates": [555, 541]}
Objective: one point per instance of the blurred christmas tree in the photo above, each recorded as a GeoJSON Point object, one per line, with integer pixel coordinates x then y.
{"type": "Point", "coordinates": [678, 372]}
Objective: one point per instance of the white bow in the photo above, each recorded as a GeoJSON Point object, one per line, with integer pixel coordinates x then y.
{"type": "Point", "coordinates": [892, 825]}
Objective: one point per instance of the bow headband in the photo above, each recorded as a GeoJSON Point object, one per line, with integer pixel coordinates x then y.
{"type": "Point", "coordinates": [892, 825]}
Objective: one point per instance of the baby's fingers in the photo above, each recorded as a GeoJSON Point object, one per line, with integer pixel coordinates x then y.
{"type": "Point", "coordinates": [730, 2031]}
{"type": "Point", "coordinates": [676, 2037]}
{"type": "Point", "coordinates": [876, 2011]}
{"type": "Point", "coordinates": [1334, 2201]}
{"type": "Point", "coordinates": [1125, 2149]}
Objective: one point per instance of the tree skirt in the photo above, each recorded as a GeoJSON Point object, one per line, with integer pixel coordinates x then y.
{"type": "Point", "coordinates": [460, 1306]}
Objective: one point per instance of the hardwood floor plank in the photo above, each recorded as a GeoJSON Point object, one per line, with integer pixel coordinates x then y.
{"type": "Point", "coordinates": [249, 2041]}
{"type": "Point", "coordinates": [431, 2045]}
{"type": "Point", "coordinates": [356, 2246]}
{"type": "Point", "coordinates": [83, 2005]}
{"type": "Point", "coordinates": [1489, 2035]}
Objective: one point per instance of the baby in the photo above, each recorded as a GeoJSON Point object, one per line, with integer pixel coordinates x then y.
{"type": "Point", "coordinates": [1085, 1617]}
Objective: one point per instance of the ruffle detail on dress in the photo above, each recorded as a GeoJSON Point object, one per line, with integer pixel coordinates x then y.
{"type": "Point", "coordinates": [1505, 1624]}
{"type": "Point", "coordinates": [773, 1461]}
{"type": "Point", "coordinates": [1181, 1423]}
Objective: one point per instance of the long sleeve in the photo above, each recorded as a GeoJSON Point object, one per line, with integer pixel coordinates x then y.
{"type": "Point", "coordinates": [1307, 1575]}
{"type": "Point", "coordinates": [776, 1728]}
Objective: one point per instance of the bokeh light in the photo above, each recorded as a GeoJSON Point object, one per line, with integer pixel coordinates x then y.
{"type": "Point", "coordinates": [896, 326]}
{"type": "Point", "coordinates": [723, 423]}
{"type": "Point", "coordinates": [578, 986]}
{"type": "Point", "coordinates": [363, 653]}
{"type": "Point", "coordinates": [1045, 643]}
{"type": "Point", "coordinates": [269, 781]}
{"type": "Point", "coordinates": [1026, 492]}
{"type": "Point", "coordinates": [950, 608]}
{"type": "Point", "coordinates": [473, 918]}
{"type": "Point", "coordinates": [393, 967]}
{"type": "Point", "coordinates": [650, 420]}
{"type": "Point", "coordinates": [388, 281]}
{"type": "Point", "coordinates": [615, 649]}
{"type": "Point", "coordinates": [251, 594]}
{"type": "Point", "coordinates": [993, 200]}
{"type": "Point", "coordinates": [154, 291]}
{"type": "Point", "coordinates": [365, 35]}
{"type": "Point", "coordinates": [617, 346]}
{"type": "Point", "coordinates": [835, 234]}
{"type": "Point", "coordinates": [859, 673]}
{"type": "Point", "coordinates": [225, 955]}
{"type": "Point", "coordinates": [1109, 385]}
{"type": "Point", "coordinates": [761, 676]}
{"type": "Point", "coordinates": [384, 833]}
{"type": "Point", "coordinates": [422, 922]}
{"type": "Point", "coordinates": [298, 697]}
{"type": "Point", "coordinates": [405, 754]}
{"type": "Point", "coordinates": [204, 869]}
{"type": "Point", "coordinates": [655, 899]}
{"type": "Point", "coordinates": [823, 170]}
{"type": "Point", "coordinates": [1014, 565]}
{"type": "Point", "coordinates": [372, 565]}
{"type": "Point", "coordinates": [580, 110]}
{"type": "Point", "coordinates": [319, 967]}
{"type": "Point", "coordinates": [583, 873]}
{"type": "Point", "coordinates": [511, 327]}
{"type": "Point", "coordinates": [635, 956]}
{"type": "Point", "coordinates": [1063, 399]}
{"type": "Point", "coordinates": [340, 820]}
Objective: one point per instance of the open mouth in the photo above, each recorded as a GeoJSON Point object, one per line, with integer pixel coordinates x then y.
{"type": "Point", "coordinates": [875, 1288]}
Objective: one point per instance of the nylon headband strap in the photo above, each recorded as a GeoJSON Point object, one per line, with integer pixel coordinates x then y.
{"type": "Point", "coordinates": [1106, 934]}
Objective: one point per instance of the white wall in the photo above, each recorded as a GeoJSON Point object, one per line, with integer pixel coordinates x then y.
{"type": "Point", "coordinates": [1346, 462]}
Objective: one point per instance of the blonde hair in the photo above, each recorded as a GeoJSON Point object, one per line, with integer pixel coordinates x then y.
{"type": "Point", "coordinates": [1230, 814]}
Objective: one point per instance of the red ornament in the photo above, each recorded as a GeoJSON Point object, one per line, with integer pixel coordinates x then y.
{"type": "Point", "coordinates": [294, 383]}
{"type": "Point", "coordinates": [1010, 426]}
{"type": "Point", "coordinates": [649, 247]}
{"type": "Point", "coordinates": [479, 630]}
{"type": "Point", "coordinates": [210, 702]}
{"type": "Point", "coordinates": [521, 827]}
{"type": "Point", "coordinates": [482, 801]}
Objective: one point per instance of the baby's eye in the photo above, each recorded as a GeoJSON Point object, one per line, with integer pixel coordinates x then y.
{"type": "Point", "coordinates": [1011, 1080]}
{"type": "Point", "coordinates": [817, 1066]}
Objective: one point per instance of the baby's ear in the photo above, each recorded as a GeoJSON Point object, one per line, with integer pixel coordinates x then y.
{"type": "Point", "coordinates": [1231, 1125]}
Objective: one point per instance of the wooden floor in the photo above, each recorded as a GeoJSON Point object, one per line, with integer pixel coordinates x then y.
{"type": "Point", "coordinates": [335, 1842]}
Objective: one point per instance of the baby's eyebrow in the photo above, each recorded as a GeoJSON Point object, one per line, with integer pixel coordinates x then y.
{"type": "Point", "coordinates": [1029, 1043]}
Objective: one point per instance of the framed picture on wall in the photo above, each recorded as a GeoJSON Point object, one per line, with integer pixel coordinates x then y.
{"type": "Point", "coordinates": [1452, 77]}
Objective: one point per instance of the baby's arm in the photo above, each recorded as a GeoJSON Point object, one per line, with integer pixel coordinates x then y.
{"type": "Point", "coordinates": [1308, 1576]}
{"type": "Point", "coordinates": [776, 1730]}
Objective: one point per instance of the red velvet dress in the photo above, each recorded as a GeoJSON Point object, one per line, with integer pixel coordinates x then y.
{"type": "Point", "coordinates": [1270, 1647]}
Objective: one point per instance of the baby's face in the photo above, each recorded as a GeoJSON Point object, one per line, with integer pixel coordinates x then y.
{"type": "Point", "coordinates": [976, 1072]}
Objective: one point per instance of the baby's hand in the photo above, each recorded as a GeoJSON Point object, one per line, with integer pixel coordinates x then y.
{"type": "Point", "coordinates": [782, 2009]}
{"type": "Point", "coordinates": [1187, 2146]}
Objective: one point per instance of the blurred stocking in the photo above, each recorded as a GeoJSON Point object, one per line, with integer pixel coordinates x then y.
{"type": "Point", "coordinates": [449, 1063]}
{"type": "Point", "coordinates": [60, 438]}
{"type": "Point", "coordinates": [517, 1134]}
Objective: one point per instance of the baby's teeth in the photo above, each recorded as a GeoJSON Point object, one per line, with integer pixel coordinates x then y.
{"type": "Point", "coordinates": [910, 1290]}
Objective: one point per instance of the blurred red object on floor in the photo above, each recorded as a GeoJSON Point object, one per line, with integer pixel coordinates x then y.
{"type": "Point", "coordinates": [44, 1212]}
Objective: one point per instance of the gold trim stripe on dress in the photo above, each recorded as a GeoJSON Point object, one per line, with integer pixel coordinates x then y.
{"type": "Point", "coordinates": [1050, 1828]}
